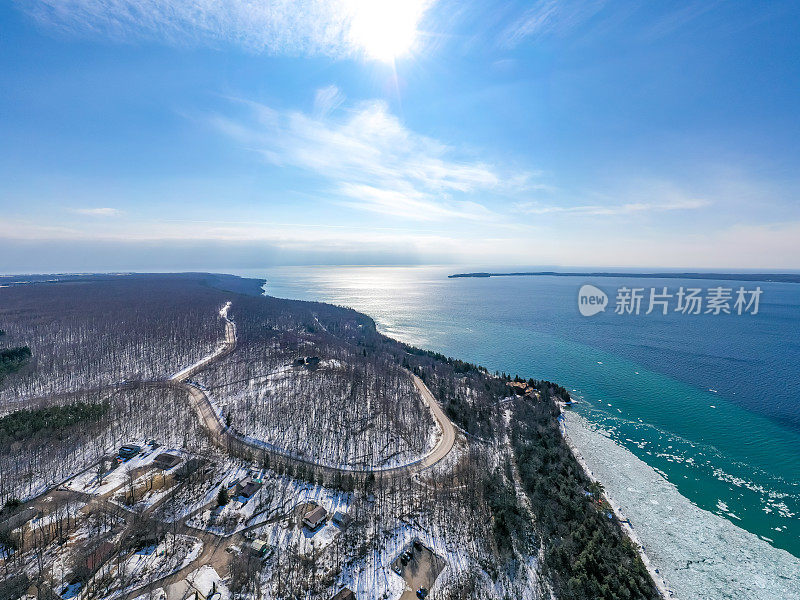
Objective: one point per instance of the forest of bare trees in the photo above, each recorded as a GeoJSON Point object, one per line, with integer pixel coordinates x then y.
{"type": "Point", "coordinates": [341, 409]}
{"type": "Point", "coordinates": [507, 512]}
{"type": "Point", "coordinates": [83, 334]}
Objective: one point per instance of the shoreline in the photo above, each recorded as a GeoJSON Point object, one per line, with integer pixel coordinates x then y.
{"type": "Point", "coordinates": [627, 527]}
{"type": "Point", "coordinates": [698, 553]}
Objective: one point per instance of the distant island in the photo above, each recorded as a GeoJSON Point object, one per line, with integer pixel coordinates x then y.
{"type": "Point", "coordinates": [767, 277]}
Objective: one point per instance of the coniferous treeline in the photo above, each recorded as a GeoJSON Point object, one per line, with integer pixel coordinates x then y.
{"type": "Point", "coordinates": [22, 424]}
{"type": "Point", "coordinates": [586, 554]}
{"type": "Point", "coordinates": [13, 359]}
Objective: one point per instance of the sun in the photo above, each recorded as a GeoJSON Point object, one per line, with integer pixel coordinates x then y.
{"type": "Point", "coordinates": [385, 29]}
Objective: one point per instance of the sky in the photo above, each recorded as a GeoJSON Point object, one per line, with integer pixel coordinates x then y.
{"type": "Point", "coordinates": [193, 134]}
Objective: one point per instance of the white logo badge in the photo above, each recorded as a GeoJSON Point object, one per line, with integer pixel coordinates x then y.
{"type": "Point", "coordinates": [591, 300]}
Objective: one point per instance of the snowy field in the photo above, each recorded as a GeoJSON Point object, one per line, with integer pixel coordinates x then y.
{"type": "Point", "coordinates": [699, 554]}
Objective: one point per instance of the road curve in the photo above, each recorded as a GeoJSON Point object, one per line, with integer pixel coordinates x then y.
{"type": "Point", "coordinates": [252, 449]}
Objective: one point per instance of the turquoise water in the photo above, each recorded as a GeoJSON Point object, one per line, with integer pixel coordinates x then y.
{"type": "Point", "coordinates": [709, 401]}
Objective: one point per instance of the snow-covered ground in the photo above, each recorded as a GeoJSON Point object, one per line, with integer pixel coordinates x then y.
{"type": "Point", "coordinates": [206, 579]}
{"type": "Point", "coordinates": [156, 594]}
{"type": "Point", "coordinates": [88, 482]}
{"type": "Point", "coordinates": [348, 414]}
{"type": "Point", "coordinates": [288, 492]}
{"type": "Point", "coordinates": [232, 472]}
{"type": "Point", "coordinates": [147, 499]}
{"type": "Point", "coordinates": [699, 554]}
{"type": "Point", "coordinates": [154, 562]}
{"type": "Point", "coordinates": [180, 375]}
{"type": "Point", "coordinates": [285, 497]}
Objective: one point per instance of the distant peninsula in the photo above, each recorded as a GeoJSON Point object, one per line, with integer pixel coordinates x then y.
{"type": "Point", "coordinates": [766, 277]}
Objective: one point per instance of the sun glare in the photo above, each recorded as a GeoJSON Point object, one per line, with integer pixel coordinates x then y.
{"type": "Point", "coordinates": [385, 29]}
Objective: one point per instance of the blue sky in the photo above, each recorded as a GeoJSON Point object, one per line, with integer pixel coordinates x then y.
{"type": "Point", "coordinates": [191, 135]}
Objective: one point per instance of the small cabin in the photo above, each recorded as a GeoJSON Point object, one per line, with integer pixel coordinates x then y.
{"type": "Point", "coordinates": [248, 489]}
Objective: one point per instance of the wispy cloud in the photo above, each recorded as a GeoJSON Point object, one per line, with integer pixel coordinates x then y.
{"type": "Point", "coordinates": [327, 99]}
{"type": "Point", "coordinates": [285, 27]}
{"type": "Point", "coordinates": [372, 161]}
{"type": "Point", "coordinates": [535, 208]}
{"type": "Point", "coordinates": [549, 17]}
{"type": "Point", "coordinates": [97, 212]}
{"type": "Point", "coordinates": [682, 15]}
{"type": "Point", "coordinates": [412, 204]}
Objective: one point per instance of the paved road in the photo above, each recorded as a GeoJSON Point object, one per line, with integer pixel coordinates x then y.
{"type": "Point", "coordinates": [214, 545]}
{"type": "Point", "coordinates": [224, 349]}
{"type": "Point", "coordinates": [252, 449]}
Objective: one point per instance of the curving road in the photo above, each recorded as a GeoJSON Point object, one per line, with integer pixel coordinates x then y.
{"type": "Point", "coordinates": [214, 545]}
{"type": "Point", "coordinates": [252, 449]}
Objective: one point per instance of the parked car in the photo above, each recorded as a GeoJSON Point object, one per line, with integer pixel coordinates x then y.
{"type": "Point", "coordinates": [422, 593]}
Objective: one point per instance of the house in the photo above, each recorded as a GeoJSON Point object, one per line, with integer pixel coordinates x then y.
{"type": "Point", "coordinates": [344, 594]}
{"type": "Point", "coordinates": [166, 461]}
{"type": "Point", "coordinates": [315, 517]}
{"type": "Point", "coordinates": [312, 362]}
{"type": "Point", "coordinates": [258, 547]}
{"type": "Point", "coordinates": [128, 451]}
{"type": "Point", "coordinates": [247, 488]}
{"type": "Point", "coordinates": [341, 519]}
